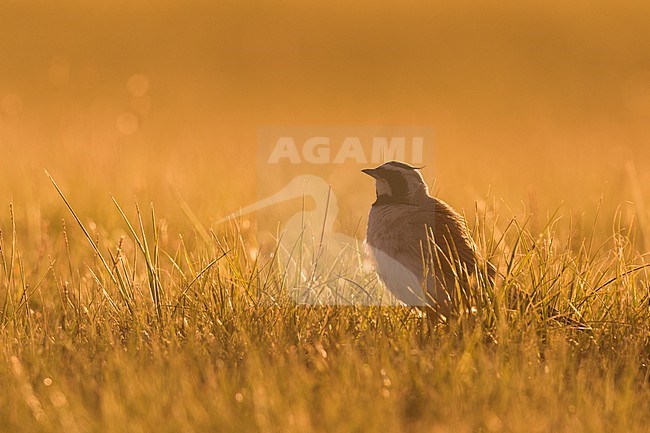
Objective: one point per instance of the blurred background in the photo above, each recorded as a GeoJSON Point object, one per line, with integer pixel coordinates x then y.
{"type": "Point", "coordinates": [538, 104]}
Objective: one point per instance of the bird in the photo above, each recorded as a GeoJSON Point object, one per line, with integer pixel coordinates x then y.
{"type": "Point", "coordinates": [422, 248]}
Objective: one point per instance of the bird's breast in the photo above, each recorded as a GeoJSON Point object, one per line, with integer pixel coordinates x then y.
{"type": "Point", "coordinates": [397, 262]}
{"type": "Point", "coordinates": [386, 225]}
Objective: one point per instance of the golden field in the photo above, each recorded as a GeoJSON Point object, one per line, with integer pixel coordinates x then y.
{"type": "Point", "coordinates": [163, 319]}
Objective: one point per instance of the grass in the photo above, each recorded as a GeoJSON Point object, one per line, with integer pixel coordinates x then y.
{"type": "Point", "coordinates": [133, 319]}
{"type": "Point", "coordinates": [142, 333]}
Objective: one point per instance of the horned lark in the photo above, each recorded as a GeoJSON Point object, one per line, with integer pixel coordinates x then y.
{"type": "Point", "coordinates": [422, 248]}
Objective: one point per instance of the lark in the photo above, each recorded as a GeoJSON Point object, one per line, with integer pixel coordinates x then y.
{"type": "Point", "coordinates": [423, 250]}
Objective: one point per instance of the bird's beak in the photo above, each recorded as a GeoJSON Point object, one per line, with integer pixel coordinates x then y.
{"type": "Point", "coordinates": [371, 172]}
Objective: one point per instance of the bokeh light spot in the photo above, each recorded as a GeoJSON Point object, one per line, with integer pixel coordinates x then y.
{"type": "Point", "coordinates": [59, 72]}
{"type": "Point", "coordinates": [138, 85]}
{"type": "Point", "coordinates": [127, 123]}
{"type": "Point", "coordinates": [12, 104]}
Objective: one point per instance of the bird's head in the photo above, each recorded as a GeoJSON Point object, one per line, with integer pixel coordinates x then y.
{"type": "Point", "coordinates": [397, 182]}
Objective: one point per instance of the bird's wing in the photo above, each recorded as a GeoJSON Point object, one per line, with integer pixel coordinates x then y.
{"type": "Point", "coordinates": [447, 227]}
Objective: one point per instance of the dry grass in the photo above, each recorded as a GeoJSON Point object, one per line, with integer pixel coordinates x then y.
{"type": "Point", "coordinates": [127, 319]}
{"type": "Point", "coordinates": [128, 335]}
